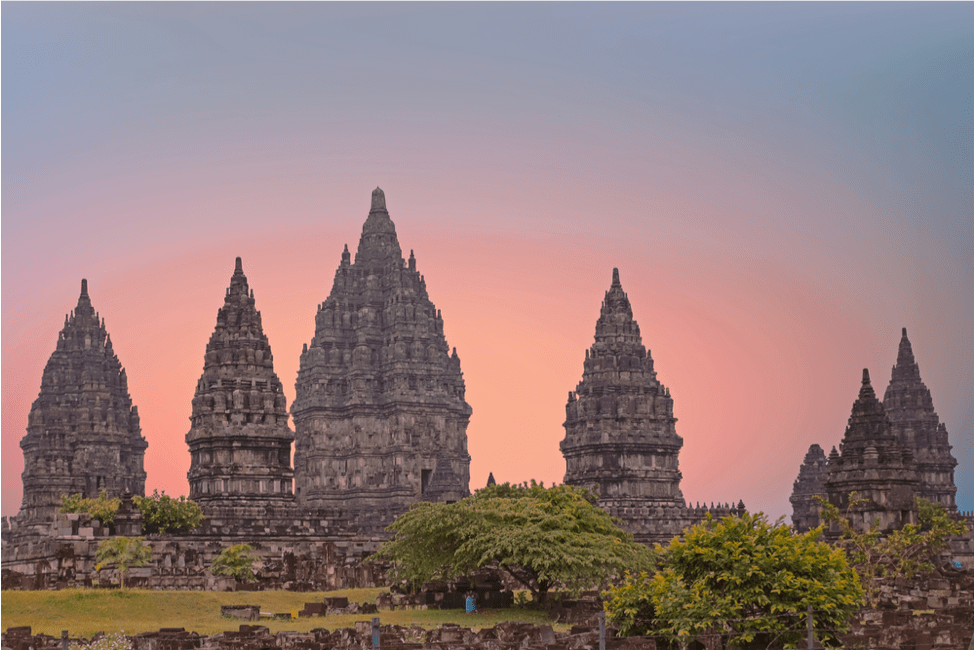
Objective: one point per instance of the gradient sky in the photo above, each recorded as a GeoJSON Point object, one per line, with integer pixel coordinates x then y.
{"type": "Point", "coordinates": [782, 187]}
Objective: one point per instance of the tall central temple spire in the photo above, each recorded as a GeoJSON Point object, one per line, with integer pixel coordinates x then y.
{"type": "Point", "coordinates": [379, 401]}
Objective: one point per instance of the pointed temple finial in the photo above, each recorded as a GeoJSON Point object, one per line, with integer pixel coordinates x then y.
{"type": "Point", "coordinates": [490, 480]}
{"type": "Point", "coordinates": [378, 199]}
{"type": "Point", "coordinates": [904, 332]}
{"type": "Point", "coordinates": [615, 278]}
{"type": "Point", "coordinates": [238, 266]}
{"type": "Point", "coordinates": [865, 376]}
{"type": "Point", "coordinates": [84, 287]}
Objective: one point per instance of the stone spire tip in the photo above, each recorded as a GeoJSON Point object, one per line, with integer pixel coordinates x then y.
{"type": "Point", "coordinates": [904, 332]}
{"type": "Point", "coordinates": [378, 199]}
{"type": "Point", "coordinates": [238, 266]}
{"type": "Point", "coordinates": [615, 278]}
{"type": "Point", "coordinates": [865, 376]}
{"type": "Point", "coordinates": [84, 287]}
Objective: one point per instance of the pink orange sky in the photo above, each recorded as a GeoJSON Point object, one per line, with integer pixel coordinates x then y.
{"type": "Point", "coordinates": [782, 187]}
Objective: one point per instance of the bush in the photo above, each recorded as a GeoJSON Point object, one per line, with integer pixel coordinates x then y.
{"type": "Point", "coordinates": [160, 512]}
{"type": "Point", "coordinates": [101, 508]}
{"type": "Point", "coordinates": [746, 580]}
{"type": "Point", "coordinates": [163, 514]}
{"type": "Point", "coordinates": [236, 561]}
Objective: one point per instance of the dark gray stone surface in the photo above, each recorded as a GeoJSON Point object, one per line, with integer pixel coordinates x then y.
{"type": "Point", "coordinates": [379, 400]}
{"type": "Point", "coordinates": [83, 432]}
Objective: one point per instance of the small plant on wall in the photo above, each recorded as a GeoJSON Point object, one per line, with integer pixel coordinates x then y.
{"type": "Point", "coordinates": [236, 561]}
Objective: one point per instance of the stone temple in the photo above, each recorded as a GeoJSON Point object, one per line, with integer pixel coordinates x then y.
{"type": "Point", "coordinates": [83, 433]}
{"type": "Point", "coordinates": [810, 483]}
{"type": "Point", "coordinates": [239, 441]}
{"type": "Point", "coordinates": [872, 463]}
{"type": "Point", "coordinates": [620, 433]}
{"type": "Point", "coordinates": [379, 400]}
{"type": "Point", "coordinates": [909, 407]}
{"type": "Point", "coordinates": [892, 452]}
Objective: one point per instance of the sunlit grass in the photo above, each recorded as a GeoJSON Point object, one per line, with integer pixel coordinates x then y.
{"type": "Point", "coordinates": [84, 612]}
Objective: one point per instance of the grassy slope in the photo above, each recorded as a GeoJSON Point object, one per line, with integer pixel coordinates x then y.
{"type": "Point", "coordinates": [83, 612]}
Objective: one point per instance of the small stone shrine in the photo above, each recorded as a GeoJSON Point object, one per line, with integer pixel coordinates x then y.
{"type": "Point", "coordinates": [379, 400]}
{"type": "Point", "coordinates": [872, 463]}
{"type": "Point", "coordinates": [810, 483]}
{"type": "Point", "coordinates": [620, 433]}
{"type": "Point", "coordinates": [83, 433]}
{"type": "Point", "coordinates": [239, 441]}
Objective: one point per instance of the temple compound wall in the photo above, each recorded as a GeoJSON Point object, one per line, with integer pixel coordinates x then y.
{"type": "Point", "coordinates": [620, 432]}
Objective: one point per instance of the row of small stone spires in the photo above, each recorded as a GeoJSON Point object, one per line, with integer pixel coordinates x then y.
{"type": "Point", "coordinates": [720, 507]}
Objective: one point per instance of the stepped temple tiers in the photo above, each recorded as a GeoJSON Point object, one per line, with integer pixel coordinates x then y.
{"type": "Point", "coordinates": [380, 423]}
{"type": "Point", "coordinates": [917, 426]}
{"type": "Point", "coordinates": [620, 433]}
{"type": "Point", "coordinates": [239, 441]}
{"type": "Point", "coordinates": [809, 485]}
{"type": "Point", "coordinates": [83, 433]}
{"type": "Point", "coordinates": [892, 452]}
{"type": "Point", "coordinates": [379, 401]}
{"type": "Point", "coordinates": [874, 465]}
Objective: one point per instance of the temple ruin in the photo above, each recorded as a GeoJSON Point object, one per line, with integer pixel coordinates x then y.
{"type": "Point", "coordinates": [892, 452]}
{"type": "Point", "coordinates": [909, 407]}
{"type": "Point", "coordinates": [620, 433]}
{"type": "Point", "coordinates": [379, 423]}
{"type": "Point", "coordinates": [83, 433]}
{"type": "Point", "coordinates": [379, 401]}
{"type": "Point", "coordinates": [239, 441]}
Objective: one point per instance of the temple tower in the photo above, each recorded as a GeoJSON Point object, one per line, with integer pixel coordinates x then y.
{"type": "Point", "coordinates": [872, 463]}
{"type": "Point", "coordinates": [810, 483]}
{"type": "Point", "coordinates": [83, 433]}
{"type": "Point", "coordinates": [379, 401]}
{"type": "Point", "coordinates": [239, 440]}
{"type": "Point", "coordinates": [909, 406]}
{"type": "Point", "coordinates": [620, 433]}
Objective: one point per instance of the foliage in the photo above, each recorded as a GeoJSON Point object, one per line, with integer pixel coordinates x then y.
{"type": "Point", "coordinates": [877, 555]}
{"type": "Point", "coordinates": [236, 561]}
{"type": "Point", "coordinates": [123, 553]}
{"type": "Point", "coordinates": [101, 508]}
{"type": "Point", "coordinates": [541, 537]}
{"type": "Point", "coordinates": [116, 641]}
{"type": "Point", "coordinates": [163, 514]}
{"type": "Point", "coordinates": [742, 578]}
{"type": "Point", "coordinates": [630, 605]}
{"type": "Point", "coordinates": [160, 512]}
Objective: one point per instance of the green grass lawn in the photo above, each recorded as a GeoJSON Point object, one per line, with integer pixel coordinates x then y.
{"type": "Point", "coordinates": [83, 612]}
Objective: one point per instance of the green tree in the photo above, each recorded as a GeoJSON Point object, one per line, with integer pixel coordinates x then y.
{"type": "Point", "coordinates": [541, 537]}
{"type": "Point", "coordinates": [914, 549]}
{"type": "Point", "coordinates": [123, 553]}
{"type": "Point", "coordinates": [236, 561]}
{"type": "Point", "coordinates": [163, 514]}
{"type": "Point", "coordinates": [101, 508]}
{"type": "Point", "coordinates": [160, 512]}
{"type": "Point", "coordinates": [742, 578]}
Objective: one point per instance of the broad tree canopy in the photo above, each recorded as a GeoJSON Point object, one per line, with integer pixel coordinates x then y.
{"type": "Point", "coordinates": [542, 537]}
{"type": "Point", "coordinates": [744, 579]}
